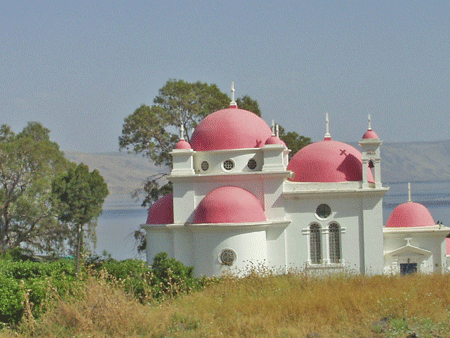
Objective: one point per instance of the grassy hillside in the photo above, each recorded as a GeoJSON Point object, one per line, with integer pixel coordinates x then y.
{"type": "Point", "coordinates": [260, 305]}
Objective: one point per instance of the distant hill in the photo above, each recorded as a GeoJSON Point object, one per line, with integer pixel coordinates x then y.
{"type": "Point", "coordinates": [401, 162]}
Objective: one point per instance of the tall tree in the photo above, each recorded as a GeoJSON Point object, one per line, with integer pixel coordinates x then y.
{"type": "Point", "coordinates": [153, 130]}
{"type": "Point", "coordinates": [79, 196]}
{"type": "Point", "coordinates": [28, 163]}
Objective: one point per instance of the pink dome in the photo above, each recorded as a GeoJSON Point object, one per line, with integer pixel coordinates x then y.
{"type": "Point", "coordinates": [230, 128]}
{"type": "Point", "coordinates": [183, 144]}
{"type": "Point", "coordinates": [275, 140]}
{"type": "Point", "coordinates": [161, 212]}
{"type": "Point", "coordinates": [370, 134]}
{"type": "Point", "coordinates": [229, 205]}
{"type": "Point", "coordinates": [408, 215]}
{"type": "Point", "coordinates": [327, 161]}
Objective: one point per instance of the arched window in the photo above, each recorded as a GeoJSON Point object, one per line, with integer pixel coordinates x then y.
{"type": "Point", "coordinates": [335, 243]}
{"type": "Point", "coordinates": [315, 244]}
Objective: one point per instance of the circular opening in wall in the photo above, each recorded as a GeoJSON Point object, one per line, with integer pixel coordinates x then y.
{"type": "Point", "coordinates": [205, 165]}
{"type": "Point", "coordinates": [227, 257]}
{"type": "Point", "coordinates": [228, 164]}
{"type": "Point", "coordinates": [251, 163]}
{"type": "Point", "coordinates": [323, 211]}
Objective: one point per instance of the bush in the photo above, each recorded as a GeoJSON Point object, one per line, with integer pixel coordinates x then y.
{"type": "Point", "coordinates": [28, 282]}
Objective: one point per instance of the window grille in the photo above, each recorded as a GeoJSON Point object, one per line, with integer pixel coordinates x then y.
{"type": "Point", "coordinates": [205, 165]}
{"type": "Point", "coordinates": [335, 243]}
{"type": "Point", "coordinates": [228, 165]}
{"type": "Point", "coordinates": [251, 163]}
{"type": "Point", "coordinates": [227, 257]}
{"type": "Point", "coordinates": [315, 244]}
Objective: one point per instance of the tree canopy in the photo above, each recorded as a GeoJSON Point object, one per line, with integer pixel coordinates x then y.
{"type": "Point", "coordinates": [79, 196]}
{"type": "Point", "coordinates": [153, 130]}
{"type": "Point", "coordinates": [28, 163]}
{"type": "Point", "coordinates": [43, 196]}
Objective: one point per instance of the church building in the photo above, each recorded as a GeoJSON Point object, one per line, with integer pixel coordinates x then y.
{"type": "Point", "coordinates": [238, 201]}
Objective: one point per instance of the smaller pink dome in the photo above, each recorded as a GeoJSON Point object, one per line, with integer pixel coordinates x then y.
{"type": "Point", "coordinates": [161, 212]}
{"type": "Point", "coordinates": [275, 140]}
{"type": "Point", "coordinates": [410, 214]}
{"type": "Point", "coordinates": [229, 204]}
{"type": "Point", "coordinates": [370, 134]}
{"type": "Point", "coordinates": [183, 144]}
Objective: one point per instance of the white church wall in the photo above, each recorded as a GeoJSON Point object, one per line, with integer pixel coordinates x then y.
{"type": "Point", "coordinates": [216, 159]}
{"type": "Point", "coordinates": [372, 245]}
{"type": "Point", "coordinates": [428, 241]}
{"type": "Point", "coordinates": [158, 240]}
{"type": "Point", "coordinates": [348, 214]}
{"type": "Point", "coordinates": [249, 244]}
{"type": "Point", "coordinates": [276, 248]}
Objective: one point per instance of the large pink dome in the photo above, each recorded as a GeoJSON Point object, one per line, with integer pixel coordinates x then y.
{"type": "Point", "coordinates": [408, 215]}
{"type": "Point", "coordinates": [230, 128]}
{"type": "Point", "coordinates": [161, 212]}
{"type": "Point", "coordinates": [229, 205]}
{"type": "Point", "coordinates": [327, 161]}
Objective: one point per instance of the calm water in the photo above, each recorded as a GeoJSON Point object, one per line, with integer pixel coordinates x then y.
{"type": "Point", "coordinates": [115, 226]}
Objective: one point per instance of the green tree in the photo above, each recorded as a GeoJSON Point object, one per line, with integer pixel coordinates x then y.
{"type": "Point", "coordinates": [293, 141]}
{"type": "Point", "coordinates": [247, 103]}
{"type": "Point", "coordinates": [153, 130]}
{"type": "Point", "coordinates": [79, 196]}
{"type": "Point", "coordinates": [28, 163]}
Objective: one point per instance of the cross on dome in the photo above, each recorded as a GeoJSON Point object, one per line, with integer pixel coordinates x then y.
{"type": "Point", "coordinates": [233, 103]}
{"type": "Point", "coordinates": [182, 132]}
{"type": "Point", "coordinates": [369, 127]}
{"type": "Point", "coordinates": [327, 136]}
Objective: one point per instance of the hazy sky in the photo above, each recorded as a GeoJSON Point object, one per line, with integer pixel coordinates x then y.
{"type": "Point", "coordinates": [81, 67]}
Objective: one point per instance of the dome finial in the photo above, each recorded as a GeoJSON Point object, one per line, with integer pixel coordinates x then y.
{"type": "Point", "coordinates": [277, 130]}
{"type": "Point", "coordinates": [273, 127]}
{"type": "Point", "coordinates": [182, 132]}
{"type": "Point", "coordinates": [409, 192]}
{"type": "Point", "coordinates": [233, 103]}
{"type": "Point", "coordinates": [327, 133]}
{"type": "Point", "coordinates": [369, 126]}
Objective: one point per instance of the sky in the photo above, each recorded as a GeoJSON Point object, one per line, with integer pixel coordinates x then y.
{"type": "Point", "coordinates": [81, 67]}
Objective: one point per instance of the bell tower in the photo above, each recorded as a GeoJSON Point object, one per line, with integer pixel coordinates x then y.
{"type": "Point", "coordinates": [370, 148]}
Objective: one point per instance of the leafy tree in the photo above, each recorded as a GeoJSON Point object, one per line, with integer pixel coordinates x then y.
{"type": "Point", "coordinates": [28, 163]}
{"type": "Point", "coordinates": [293, 141]}
{"type": "Point", "coordinates": [247, 103]}
{"type": "Point", "coordinates": [153, 130]}
{"type": "Point", "coordinates": [79, 195]}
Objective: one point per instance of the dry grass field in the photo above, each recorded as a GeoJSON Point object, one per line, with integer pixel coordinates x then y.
{"type": "Point", "coordinates": [259, 305]}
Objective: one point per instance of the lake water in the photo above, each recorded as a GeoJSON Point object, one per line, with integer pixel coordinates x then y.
{"type": "Point", "coordinates": [116, 225]}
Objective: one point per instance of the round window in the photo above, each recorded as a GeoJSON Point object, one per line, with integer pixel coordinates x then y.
{"type": "Point", "coordinates": [228, 165]}
{"type": "Point", "coordinates": [227, 257]}
{"type": "Point", "coordinates": [251, 163]}
{"type": "Point", "coordinates": [323, 211]}
{"type": "Point", "coordinates": [205, 165]}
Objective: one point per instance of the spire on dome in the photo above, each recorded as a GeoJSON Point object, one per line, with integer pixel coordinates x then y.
{"type": "Point", "coordinates": [182, 132]}
{"type": "Point", "coordinates": [233, 103]}
{"type": "Point", "coordinates": [273, 127]}
{"type": "Point", "coordinates": [327, 136]}
{"type": "Point", "coordinates": [277, 128]}
{"type": "Point", "coordinates": [369, 126]}
{"type": "Point", "coordinates": [409, 192]}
